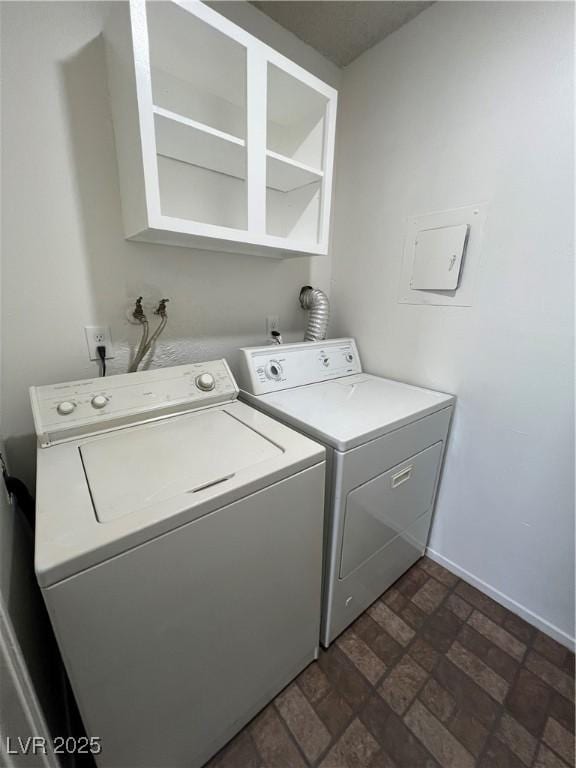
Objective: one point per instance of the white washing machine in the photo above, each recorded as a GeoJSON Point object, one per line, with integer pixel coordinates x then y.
{"type": "Point", "coordinates": [385, 443]}
{"type": "Point", "coordinates": [179, 552]}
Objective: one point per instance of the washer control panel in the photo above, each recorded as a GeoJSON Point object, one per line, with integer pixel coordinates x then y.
{"type": "Point", "coordinates": [77, 408]}
{"type": "Point", "coordinates": [283, 366]}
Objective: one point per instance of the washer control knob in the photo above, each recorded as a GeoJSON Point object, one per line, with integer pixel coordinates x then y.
{"type": "Point", "coordinates": [65, 408]}
{"type": "Point", "coordinates": [349, 357]}
{"type": "Point", "coordinates": [205, 382]}
{"type": "Point", "coordinates": [99, 401]}
{"type": "Point", "coordinates": [325, 362]}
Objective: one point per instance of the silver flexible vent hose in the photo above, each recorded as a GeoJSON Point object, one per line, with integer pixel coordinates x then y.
{"type": "Point", "coordinates": [317, 302]}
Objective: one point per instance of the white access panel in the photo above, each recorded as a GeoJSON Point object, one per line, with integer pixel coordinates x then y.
{"type": "Point", "coordinates": [438, 257]}
{"type": "Point", "coordinates": [462, 295]}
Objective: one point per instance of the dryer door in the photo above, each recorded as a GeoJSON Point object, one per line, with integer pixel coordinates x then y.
{"type": "Point", "coordinates": [383, 508]}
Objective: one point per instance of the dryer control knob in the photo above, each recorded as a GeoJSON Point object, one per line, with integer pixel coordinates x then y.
{"type": "Point", "coordinates": [65, 408]}
{"type": "Point", "coordinates": [99, 401]}
{"type": "Point", "coordinates": [205, 382]}
{"type": "Point", "coordinates": [274, 370]}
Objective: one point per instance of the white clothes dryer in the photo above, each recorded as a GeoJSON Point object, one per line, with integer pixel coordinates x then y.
{"type": "Point", "coordinates": [385, 443]}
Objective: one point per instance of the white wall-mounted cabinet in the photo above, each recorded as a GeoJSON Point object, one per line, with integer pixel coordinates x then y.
{"type": "Point", "coordinates": [222, 142]}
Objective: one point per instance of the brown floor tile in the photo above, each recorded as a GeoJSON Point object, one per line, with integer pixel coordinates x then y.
{"type": "Point", "coordinates": [391, 623]}
{"type": "Point", "coordinates": [402, 684]}
{"type": "Point", "coordinates": [550, 674]}
{"type": "Point", "coordinates": [394, 599]}
{"type": "Point", "coordinates": [497, 755]}
{"type": "Point", "coordinates": [517, 738]}
{"type": "Point", "coordinates": [442, 629]}
{"type": "Point", "coordinates": [459, 606]}
{"type": "Point", "coordinates": [334, 712]}
{"type": "Point", "coordinates": [313, 682]}
{"type": "Point", "coordinates": [518, 627]}
{"type": "Point", "coordinates": [434, 675]}
{"type": "Point", "coordinates": [344, 677]}
{"type": "Point", "coordinates": [382, 760]}
{"type": "Point", "coordinates": [497, 635]}
{"type": "Point", "coordinates": [438, 572]}
{"type": "Point", "coordinates": [529, 701]}
{"type": "Point", "coordinates": [563, 710]}
{"type": "Point", "coordinates": [501, 662]}
{"type": "Point", "coordinates": [438, 700]}
{"type": "Point", "coordinates": [239, 752]}
{"type": "Point", "coordinates": [547, 759]}
{"type": "Point", "coordinates": [569, 665]}
{"type": "Point", "coordinates": [550, 649]}
{"type": "Point", "coordinates": [424, 654]}
{"type": "Point", "coordinates": [413, 616]}
{"type": "Point", "coordinates": [469, 731]}
{"type": "Point", "coordinates": [411, 582]}
{"type": "Point", "coordinates": [481, 601]}
{"type": "Point", "coordinates": [384, 646]}
{"type": "Point", "coordinates": [275, 746]}
{"type": "Point", "coordinates": [559, 739]}
{"type": "Point", "coordinates": [354, 749]}
{"type": "Point", "coordinates": [304, 724]}
{"type": "Point", "coordinates": [375, 715]}
{"type": "Point", "coordinates": [447, 750]}
{"type": "Point", "coordinates": [480, 672]}
{"type": "Point", "coordinates": [362, 656]}
{"type": "Point", "coordinates": [403, 747]}
{"type": "Point", "coordinates": [430, 595]}
{"type": "Point", "coordinates": [469, 696]}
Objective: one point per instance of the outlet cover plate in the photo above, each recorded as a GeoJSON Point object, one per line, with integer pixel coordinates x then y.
{"type": "Point", "coordinates": [98, 335]}
{"type": "Point", "coordinates": [272, 324]}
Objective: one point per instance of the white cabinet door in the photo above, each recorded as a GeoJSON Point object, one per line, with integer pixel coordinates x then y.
{"type": "Point", "coordinates": [222, 142]}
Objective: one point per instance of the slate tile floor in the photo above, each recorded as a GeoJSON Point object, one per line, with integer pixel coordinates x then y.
{"type": "Point", "coordinates": [433, 674]}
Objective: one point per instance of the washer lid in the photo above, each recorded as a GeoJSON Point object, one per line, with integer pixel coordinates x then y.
{"type": "Point", "coordinates": [349, 411]}
{"type": "Point", "coordinates": [130, 470]}
{"type": "Point", "coordinates": [98, 497]}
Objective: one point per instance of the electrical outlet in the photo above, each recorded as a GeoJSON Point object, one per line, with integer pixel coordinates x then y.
{"type": "Point", "coordinates": [97, 336]}
{"type": "Point", "coordinates": [272, 324]}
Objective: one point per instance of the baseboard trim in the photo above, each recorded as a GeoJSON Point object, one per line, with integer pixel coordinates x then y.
{"type": "Point", "coordinates": [507, 602]}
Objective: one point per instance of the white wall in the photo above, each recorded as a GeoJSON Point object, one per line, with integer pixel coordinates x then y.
{"type": "Point", "coordinates": [66, 263]}
{"type": "Point", "coordinates": [473, 102]}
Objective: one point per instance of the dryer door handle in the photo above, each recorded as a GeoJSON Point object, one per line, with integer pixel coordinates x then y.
{"type": "Point", "coordinates": [402, 477]}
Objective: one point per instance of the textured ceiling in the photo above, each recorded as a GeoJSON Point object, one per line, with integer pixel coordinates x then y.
{"type": "Point", "coordinates": [338, 29]}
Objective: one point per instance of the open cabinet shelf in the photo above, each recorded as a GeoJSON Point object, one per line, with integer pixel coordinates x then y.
{"type": "Point", "coordinates": [285, 174]}
{"type": "Point", "coordinates": [182, 139]}
{"type": "Point", "coordinates": [222, 142]}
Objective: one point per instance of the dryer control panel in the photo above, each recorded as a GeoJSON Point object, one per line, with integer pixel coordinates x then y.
{"type": "Point", "coordinates": [78, 408]}
{"type": "Point", "coordinates": [283, 366]}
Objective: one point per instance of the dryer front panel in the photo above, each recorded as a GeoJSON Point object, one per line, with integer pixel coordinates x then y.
{"type": "Point", "coordinates": [379, 516]}
{"type": "Point", "coordinates": [386, 506]}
